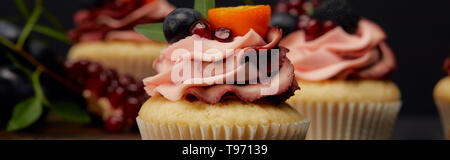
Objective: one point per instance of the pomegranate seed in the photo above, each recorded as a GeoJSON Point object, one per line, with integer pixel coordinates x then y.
{"type": "Point", "coordinates": [97, 83]}
{"type": "Point", "coordinates": [116, 97]}
{"type": "Point", "coordinates": [281, 8]}
{"type": "Point", "coordinates": [295, 4]}
{"type": "Point", "coordinates": [313, 30]}
{"type": "Point", "coordinates": [131, 107]}
{"type": "Point", "coordinates": [77, 71]}
{"type": "Point", "coordinates": [115, 124]}
{"type": "Point", "coordinates": [303, 21]}
{"type": "Point", "coordinates": [201, 28]}
{"type": "Point", "coordinates": [223, 35]}
{"type": "Point", "coordinates": [328, 25]}
{"type": "Point", "coordinates": [125, 80]}
{"type": "Point", "coordinates": [94, 69]}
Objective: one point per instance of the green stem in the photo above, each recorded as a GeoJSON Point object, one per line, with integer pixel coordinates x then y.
{"type": "Point", "coordinates": [30, 24]}
{"type": "Point", "coordinates": [51, 33]}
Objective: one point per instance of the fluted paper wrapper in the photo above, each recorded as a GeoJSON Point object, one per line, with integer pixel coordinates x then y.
{"type": "Point", "coordinates": [444, 112]}
{"type": "Point", "coordinates": [350, 121]}
{"type": "Point", "coordinates": [290, 131]}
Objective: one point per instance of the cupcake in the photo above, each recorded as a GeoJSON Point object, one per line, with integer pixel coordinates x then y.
{"type": "Point", "coordinates": [109, 59]}
{"type": "Point", "coordinates": [343, 64]}
{"type": "Point", "coordinates": [105, 35]}
{"type": "Point", "coordinates": [205, 88]}
{"type": "Point", "coordinates": [442, 99]}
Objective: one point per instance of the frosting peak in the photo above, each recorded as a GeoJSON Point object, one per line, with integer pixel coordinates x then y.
{"type": "Point", "coordinates": [338, 54]}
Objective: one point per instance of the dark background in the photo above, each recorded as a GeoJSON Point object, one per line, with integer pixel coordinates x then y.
{"type": "Point", "coordinates": [419, 33]}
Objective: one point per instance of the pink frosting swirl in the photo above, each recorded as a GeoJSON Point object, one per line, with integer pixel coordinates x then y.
{"type": "Point", "coordinates": [213, 88]}
{"type": "Point", "coordinates": [339, 55]}
{"type": "Point", "coordinates": [115, 20]}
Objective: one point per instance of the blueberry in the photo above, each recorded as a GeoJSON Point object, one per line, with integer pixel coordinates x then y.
{"type": "Point", "coordinates": [340, 12]}
{"type": "Point", "coordinates": [287, 22]}
{"type": "Point", "coordinates": [9, 31]}
{"type": "Point", "coordinates": [14, 87]}
{"type": "Point", "coordinates": [45, 55]}
{"type": "Point", "coordinates": [178, 23]}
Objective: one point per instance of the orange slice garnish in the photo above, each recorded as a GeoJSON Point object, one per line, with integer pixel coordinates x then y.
{"type": "Point", "coordinates": [241, 19]}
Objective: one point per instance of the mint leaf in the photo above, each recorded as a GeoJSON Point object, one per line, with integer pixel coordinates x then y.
{"type": "Point", "coordinates": [25, 113]}
{"type": "Point", "coordinates": [203, 6]}
{"type": "Point", "coordinates": [70, 112]}
{"type": "Point", "coordinates": [51, 33]}
{"type": "Point", "coordinates": [153, 31]}
{"type": "Point", "coordinates": [37, 87]}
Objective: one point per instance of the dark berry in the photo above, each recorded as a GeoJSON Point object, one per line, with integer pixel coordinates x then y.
{"type": "Point", "coordinates": [9, 31]}
{"type": "Point", "coordinates": [201, 28]}
{"type": "Point", "coordinates": [115, 124]}
{"type": "Point", "coordinates": [178, 22]}
{"type": "Point", "coordinates": [340, 12]}
{"type": "Point", "coordinates": [286, 22]}
{"type": "Point", "coordinates": [223, 35]}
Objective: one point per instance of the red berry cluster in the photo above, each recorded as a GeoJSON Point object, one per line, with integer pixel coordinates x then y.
{"type": "Point", "coordinates": [302, 9]}
{"type": "Point", "coordinates": [204, 29]}
{"type": "Point", "coordinates": [123, 92]}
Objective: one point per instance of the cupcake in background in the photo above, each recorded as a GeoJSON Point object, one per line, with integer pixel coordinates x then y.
{"type": "Point", "coordinates": [221, 106]}
{"type": "Point", "coordinates": [105, 35]}
{"type": "Point", "coordinates": [109, 59]}
{"type": "Point", "coordinates": [442, 99]}
{"type": "Point", "coordinates": [343, 64]}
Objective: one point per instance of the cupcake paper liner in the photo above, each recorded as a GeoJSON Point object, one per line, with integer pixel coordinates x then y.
{"type": "Point", "coordinates": [290, 131]}
{"type": "Point", "coordinates": [444, 112]}
{"type": "Point", "coordinates": [350, 121]}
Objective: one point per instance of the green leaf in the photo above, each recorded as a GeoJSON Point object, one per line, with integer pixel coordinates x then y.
{"type": "Point", "coordinates": [249, 2]}
{"type": "Point", "coordinates": [23, 8]}
{"type": "Point", "coordinates": [25, 113]}
{"type": "Point", "coordinates": [203, 6]}
{"type": "Point", "coordinates": [70, 112]}
{"type": "Point", "coordinates": [153, 31]}
{"type": "Point", "coordinates": [37, 87]}
{"type": "Point", "coordinates": [30, 23]}
{"type": "Point", "coordinates": [51, 33]}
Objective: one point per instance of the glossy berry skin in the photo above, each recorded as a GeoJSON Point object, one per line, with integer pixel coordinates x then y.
{"type": "Point", "coordinates": [286, 22]}
{"type": "Point", "coordinates": [9, 31]}
{"type": "Point", "coordinates": [313, 29]}
{"type": "Point", "coordinates": [178, 23]}
{"type": "Point", "coordinates": [223, 35]}
{"type": "Point", "coordinates": [340, 12]}
{"type": "Point", "coordinates": [201, 28]}
{"type": "Point", "coordinates": [115, 124]}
